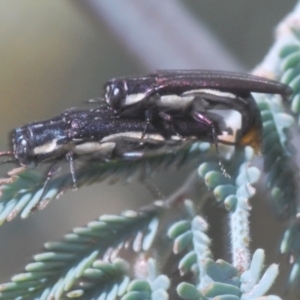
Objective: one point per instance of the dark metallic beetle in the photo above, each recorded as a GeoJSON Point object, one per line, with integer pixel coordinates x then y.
{"type": "Point", "coordinates": [200, 94]}
{"type": "Point", "coordinates": [97, 135]}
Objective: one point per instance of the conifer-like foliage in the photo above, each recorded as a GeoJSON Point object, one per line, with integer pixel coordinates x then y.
{"type": "Point", "coordinates": [163, 251]}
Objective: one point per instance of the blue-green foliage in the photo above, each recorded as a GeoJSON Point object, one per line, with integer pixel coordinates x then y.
{"type": "Point", "coordinates": [290, 65]}
{"type": "Point", "coordinates": [282, 180]}
{"type": "Point", "coordinates": [217, 279]}
{"type": "Point", "coordinates": [84, 265]}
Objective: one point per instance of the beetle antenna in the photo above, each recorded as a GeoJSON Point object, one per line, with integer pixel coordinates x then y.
{"type": "Point", "coordinates": [7, 153]}
{"type": "Point", "coordinates": [101, 105]}
{"type": "Point", "coordinates": [96, 100]}
{"type": "Point", "coordinates": [11, 160]}
{"type": "Point", "coordinates": [52, 172]}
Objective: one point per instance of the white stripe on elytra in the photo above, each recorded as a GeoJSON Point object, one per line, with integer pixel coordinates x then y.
{"type": "Point", "coordinates": [211, 92]}
{"type": "Point", "coordinates": [133, 135]}
{"type": "Point", "coordinates": [93, 147]}
{"type": "Point", "coordinates": [134, 98]}
{"type": "Point", "coordinates": [46, 148]}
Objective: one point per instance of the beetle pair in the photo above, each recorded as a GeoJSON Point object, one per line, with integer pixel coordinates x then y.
{"type": "Point", "coordinates": [149, 113]}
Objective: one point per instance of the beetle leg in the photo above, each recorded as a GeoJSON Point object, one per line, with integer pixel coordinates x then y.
{"type": "Point", "coordinates": [70, 159]}
{"type": "Point", "coordinates": [98, 109]}
{"type": "Point", "coordinates": [202, 119]}
{"type": "Point", "coordinates": [153, 189]}
{"type": "Point", "coordinates": [52, 172]}
{"type": "Point", "coordinates": [168, 118]}
{"type": "Point", "coordinates": [149, 184]}
{"type": "Point", "coordinates": [148, 115]}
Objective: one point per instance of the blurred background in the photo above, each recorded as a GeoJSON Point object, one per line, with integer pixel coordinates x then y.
{"type": "Point", "coordinates": [58, 54]}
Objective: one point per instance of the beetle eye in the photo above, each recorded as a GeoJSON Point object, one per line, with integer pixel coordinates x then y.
{"type": "Point", "coordinates": [115, 95]}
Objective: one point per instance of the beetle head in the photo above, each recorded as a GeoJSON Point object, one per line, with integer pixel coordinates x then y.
{"type": "Point", "coordinates": [115, 94]}
{"type": "Point", "coordinates": [40, 141]}
{"type": "Point", "coordinates": [22, 147]}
